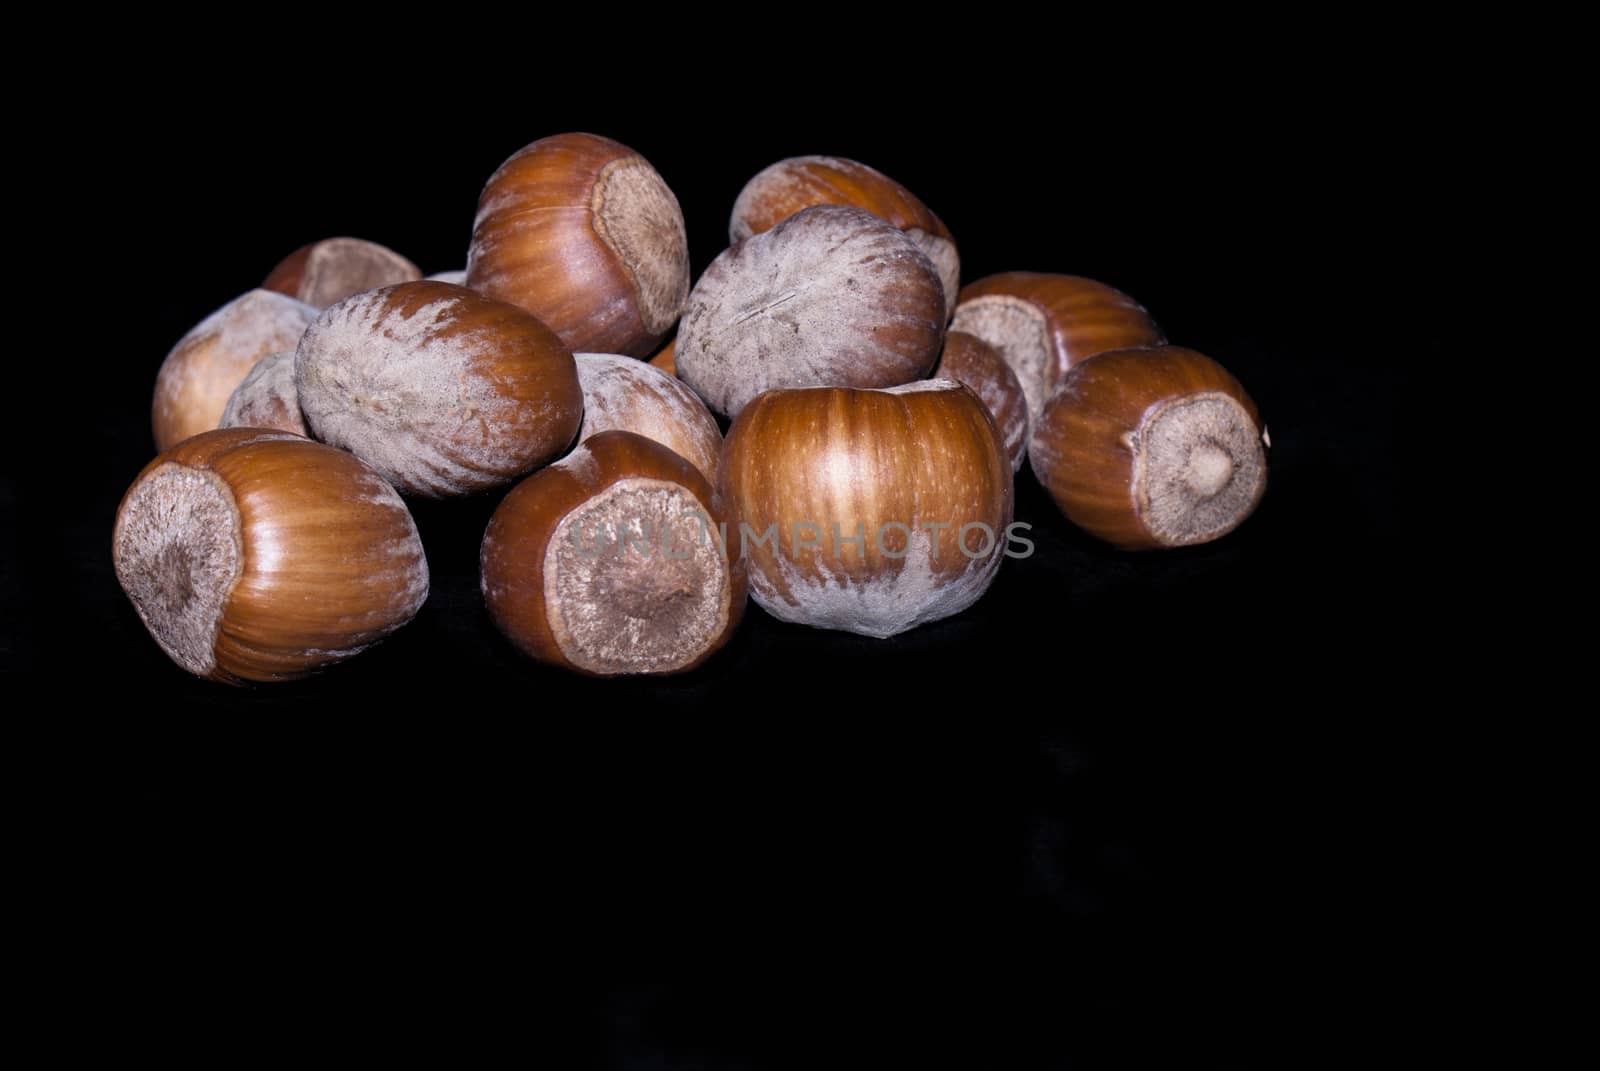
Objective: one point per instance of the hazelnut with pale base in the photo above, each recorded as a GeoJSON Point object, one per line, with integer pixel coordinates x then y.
{"type": "Point", "coordinates": [1151, 448]}
{"type": "Point", "coordinates": [582, 232]}
{"type": "Point", "coordinates": [916, 472]}
{"type": "Point", "coordinates": [608, 562]}
{"type": "Point", "coordinates": [255, 555]}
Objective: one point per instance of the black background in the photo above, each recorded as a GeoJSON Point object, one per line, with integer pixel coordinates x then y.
{"type": "Point", "coordinates": [1119, 808]}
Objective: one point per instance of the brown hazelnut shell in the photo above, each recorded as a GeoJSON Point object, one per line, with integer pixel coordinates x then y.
{"type": "Point", "coordinates": [666, 357]}
{"type": "Point", "coordinates": [832, 296]}
{"type": "Point", "coordinates": [1151, 448]}
{"type": "Point", "coordinates": [441, 389]}
{"type": "Point", "coordinates": [779, 191]}
{"type": "Point", "coordinates": [256, 555]}
{"type": "Point", "coordinates": [970, 360]}
{"type": "Point", "coordinates": [582, 232]}
{"type": "Point", "coordinates": [266, 398]}
{"type": "Point", "coordinates": [927, 453]}
{"type": "Point", "coordinates": [201, 372]}
{"type": "Point", "coordinates": [321, 273]}
{"type": "Point", "coordinates": [1044, 323]}
{"type": "Point", "coordinates": [644, 614]}
{"type": "Point", "coordinates": [622, 393]}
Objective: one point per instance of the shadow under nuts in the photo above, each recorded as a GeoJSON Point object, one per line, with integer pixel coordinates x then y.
{"type": "Point", "coordinates": [832, 296]}
{"type": "Point", "coordinates": [870, 511]}
{"type": "Point", "coordinates": [779, 191]}
{"type": "Point", "coordinates": [442, 390]}
{"type": "Point", "coordinates": [256, 555]}
{"type": "Point", "coordinates": [582, 232]}
{"type": "Point", "coordinates": [1151, 448]}
{"type": "Point", "coordinates": [610, 562]}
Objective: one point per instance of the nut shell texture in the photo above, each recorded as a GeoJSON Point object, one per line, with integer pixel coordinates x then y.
{"type": "Point", "coordinates": [832, 296]}
{"type": "Point", "coordinates": [608, 562]}
{"type": "Point", "coordinates": [624, 394]}
{"type": "Point", "coordinates": [200, 374]}
{"type": "Point", "coordinates": [256, 555]}
{"type": "Point", "coordinates": [1043, 324]}
{"type": "Point", "coordinates": [882, 464]}
{"type": "Point", "coordinates": [267, 398]}
{"type": "Point", "coordinates": [582, 232]}
{"type": "Point", "coordinates": [969, 360]}
{"type": "Point", "coordinates": [789, 186]}
{"type": "Point", "coordinates": [324, 272]}
{"type": "Point", "coordinates": [442, 390]}
{"type": "Point", "coordinates": [1151, 448]}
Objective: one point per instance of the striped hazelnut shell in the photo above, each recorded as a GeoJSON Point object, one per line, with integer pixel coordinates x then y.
{"type": "Point", "coordinates": [809, 471]}
{"type": "Point", "coordinates": [1043, 324]}
{"type": "Point", "coordinates": [1151, 448]}
{"type": "Point", "coordinates": [256, 555]}
{"type": "Point", "coordinates": [582, 232]}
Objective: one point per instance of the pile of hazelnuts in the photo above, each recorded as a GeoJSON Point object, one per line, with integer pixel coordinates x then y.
{"type": "Point", "coordinates": [878, 413]}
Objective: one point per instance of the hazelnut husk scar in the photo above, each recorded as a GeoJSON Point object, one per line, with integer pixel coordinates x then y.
{"type": "Point", "coordinates": [610, 562]}
{"type": "Point", "coordinates": [1152, 448]}
{"type": "Point", "coordinates": [257, 555]}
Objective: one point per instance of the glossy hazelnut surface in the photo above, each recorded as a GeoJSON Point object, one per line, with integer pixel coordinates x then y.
{"type": "Point", "coordinates": [1151, 448]}
{"type": "Point", "coordinates": [609, 562]}
{"type": "Point", "coordinates": [582, 232]}
{"type": "Point", "coordinates": [256, 555]}
{"type": "Point", "coordinates": [870, 511]}
{"type": "Point", "coordinates": [1043, 324]}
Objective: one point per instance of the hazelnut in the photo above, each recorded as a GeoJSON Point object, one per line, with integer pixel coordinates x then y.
{"type": "Point", "coordinates": [1151, 448]}
{"type": "Point", "coordinates": [331, 270]}
{"type": "Point", "coordinates": [582, 232]}
{"type": "Point", "coordinates": [970, 360]}
{"type": "Point", "coordinates": [442, 390]}
{"type": "Point", "coordinates": [266, 398]}
{"type": "Point", "coordinates": [666, 358]}
{"type": "Point", "coordinates": [255, 555]}
{"type": "Point", "coordinates": [609, 562]}
{"type": "Point", "coordinates": [622, 393]}
{"type": "Point", "coordinates": [832, 296]}
{"type": "Point", "coordinates": [871, 511]}
{"type": "Point", "coordinates": [788, 186]}
{"type": "Point", "coordinates": [201, 372]}
{"type": "Point", "coordinates": [1043, 324]}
